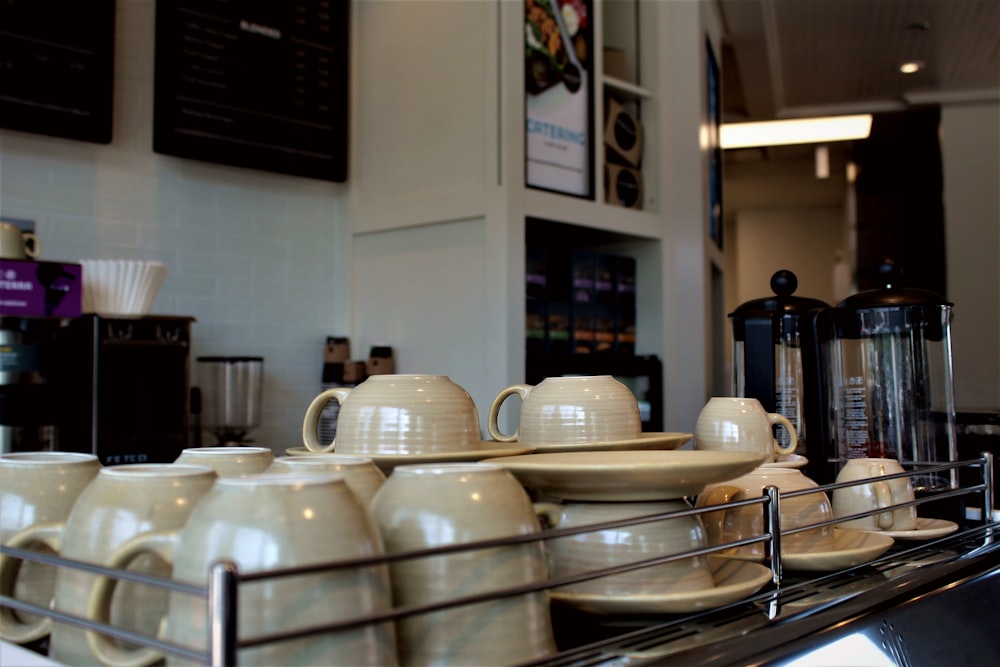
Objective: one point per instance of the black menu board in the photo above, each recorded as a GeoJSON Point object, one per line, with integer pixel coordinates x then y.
{"type": "Point", "coordinates": [57, 67]}
{"type": "Point", "coordinates": [254, 83]}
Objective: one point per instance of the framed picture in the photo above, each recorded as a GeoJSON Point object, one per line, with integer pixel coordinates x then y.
{"type": "Point", "coordinates": [255, 84]}
{"type": "Point", "coordinates": [715, 222]}
{"type": "Point", "coordinates": [559, 96]}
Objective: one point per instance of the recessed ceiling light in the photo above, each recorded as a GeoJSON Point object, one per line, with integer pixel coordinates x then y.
{"type": "Point", "coordinates": [911, 67]}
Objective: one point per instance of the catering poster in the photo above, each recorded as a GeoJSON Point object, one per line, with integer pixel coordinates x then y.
{"type": "Point", "coordinates": [558, 96]}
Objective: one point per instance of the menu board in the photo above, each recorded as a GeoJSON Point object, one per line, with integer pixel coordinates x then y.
{"type": "Point", "coordinates": [559, 96]}
{"type": "Point", "coordinates": [57, 67]}
{"type": "Point", "coordinates": [254, 83]}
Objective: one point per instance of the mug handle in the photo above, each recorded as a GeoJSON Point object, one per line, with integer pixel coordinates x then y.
{"type": "Point", "coordinates": [310, 424]}
{"type": "Point", "coordinates": [775, 419]}
{"type": "Point", "coordinates": [714, 520]}
{"type": "Point", "coordinates": [492, 423]}
{"type": "Point", "coordinates": [883, 499]}
{"type": "Point", "coordinates": [12, 629]}
{"type": "Point", "coordinates": [32, 245]}
{"type": "Point", "coordinates": [160, 543]}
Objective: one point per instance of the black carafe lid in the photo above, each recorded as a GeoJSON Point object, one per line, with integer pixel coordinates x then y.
{"type": "Point", "coordinates": [784, 302]}
{"type": "Point", "coordinates": [891, 309]}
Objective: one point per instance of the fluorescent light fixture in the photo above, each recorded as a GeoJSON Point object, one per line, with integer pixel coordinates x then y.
{"type": "Point", "coordinates": [796, 131]}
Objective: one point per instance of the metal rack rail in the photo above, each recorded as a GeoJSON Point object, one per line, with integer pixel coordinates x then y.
{"type": "Point", "coordinates": [634, 640]}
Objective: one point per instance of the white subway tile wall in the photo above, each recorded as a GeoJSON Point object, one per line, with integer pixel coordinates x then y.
{"type": "Point", "coordinates": [259, 259]}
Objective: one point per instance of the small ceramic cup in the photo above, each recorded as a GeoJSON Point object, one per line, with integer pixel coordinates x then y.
{"type": "Point", "coordinates": [363, 477]}
{"type": "Point", "coordinates": [740, 523]}
{"type": "Point", "coordinates": [266, 522]}
{"type": "Point", "coordinates": [624, 545]}
{"type": "Point", "coordinates": [877, 495]}
{"type": "Point", "coordinates": [397, 414]}
{"type": "Point", "coordinates": [17, 244]}
{"type": "Point", "coordinates": [36, 488]}
{"type": "Point", "coordinates": [742, 424]}
{"type": "Point", "coordinates": [119, 504]}
{"type": "Point", "coordinates": [228, 461]}
{"type": "Point", "coordinates": [570, 410]}
{"type": "Point", "coordinates": [426, 506]}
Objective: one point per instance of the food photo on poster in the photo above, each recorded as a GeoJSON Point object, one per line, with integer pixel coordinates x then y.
{"type": "Point", "coordinates": [558, 95]}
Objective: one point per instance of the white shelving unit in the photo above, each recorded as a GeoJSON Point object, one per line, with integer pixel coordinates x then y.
{"type": "Point", "coordinates": [439, 209]}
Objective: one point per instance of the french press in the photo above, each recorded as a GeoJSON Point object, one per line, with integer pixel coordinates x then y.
{"type": "Point", "coordinates": [886, 378]}
{"type": "Point", "coordinates": [768, 336]}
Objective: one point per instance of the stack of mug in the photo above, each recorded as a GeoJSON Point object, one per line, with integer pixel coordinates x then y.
{"type": "Point", "coordinates": [424, 431]}
{"type": "Point", "coordinates": [175, 520]}
{"type": "Point", "coordinates": [728, 423]}
{"type": "Point", "coordinates": [562, 413]}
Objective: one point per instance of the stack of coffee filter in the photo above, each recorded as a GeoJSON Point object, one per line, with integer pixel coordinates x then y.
{"type": "Point", "coordinates": [121, 286]}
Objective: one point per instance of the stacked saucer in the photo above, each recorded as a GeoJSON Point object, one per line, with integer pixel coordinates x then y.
{"type": "Point", "coordinates": [607, 488]}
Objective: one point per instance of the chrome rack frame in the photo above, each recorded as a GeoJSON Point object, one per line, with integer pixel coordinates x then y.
{"type": "Point", "coordinates": [224, 579]}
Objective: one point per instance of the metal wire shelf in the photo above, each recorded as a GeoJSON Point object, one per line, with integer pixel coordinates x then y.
{"type": "Point", "coordinates": [225, 579]}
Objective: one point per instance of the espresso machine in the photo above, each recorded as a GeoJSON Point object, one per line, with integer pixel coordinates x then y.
{"type": "Point", "coordinates": [122, 386]}
{"type": "Point", "coordinates": [28, 404]}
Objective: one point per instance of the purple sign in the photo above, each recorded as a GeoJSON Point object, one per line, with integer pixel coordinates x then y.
{"type": "Point", "coordinates": [40, 289]}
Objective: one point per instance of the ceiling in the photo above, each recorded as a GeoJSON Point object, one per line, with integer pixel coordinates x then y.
{"type": "Point", "coordinates": [795, 58]}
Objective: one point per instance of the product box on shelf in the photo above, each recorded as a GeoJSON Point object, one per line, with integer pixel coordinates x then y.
{"type": "Point", "coordinates": [40, 289]}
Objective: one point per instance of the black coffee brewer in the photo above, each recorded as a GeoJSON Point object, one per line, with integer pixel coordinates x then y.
{"type": "Point", "coordinates": [769, 337]}
{"type": "Point", "coordinates": [876, 374]}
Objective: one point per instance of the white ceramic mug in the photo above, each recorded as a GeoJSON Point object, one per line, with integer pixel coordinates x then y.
{"type": "Point", "coordinates": [266, 522]}
{"type": "Point", "coordinates": [363, 477]}
{"type": "Point", "coordinates": [742, 424]}
{"type": "Point", "coordinates": [18, 244]}
{"type": "Point", "coordinates": [120, 503]}
{"type": "Point", "coordinates": [228, 461]}
{"type": "Point", "coordinates": [397, 414]}
{"type": "Point", "coordinates": [425, 506]}
{"type": "Point", "coordinates": [740, 523]}
{"type": "Point", "coordinates": [36, 488]}
{"type": "Point", "coordinates": [611, 547]}
{"type": "Point", "coordinates": [570, 410]}
{"type": "Point", "coordinates": [877, 495]}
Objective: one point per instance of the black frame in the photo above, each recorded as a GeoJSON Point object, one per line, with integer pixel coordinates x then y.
{"type": "Point", "coordinates": [534, 86]}
{"type": "Point", "coordinates": [714, 91]}
{"type": "Point", "coordinates": [254, 84]}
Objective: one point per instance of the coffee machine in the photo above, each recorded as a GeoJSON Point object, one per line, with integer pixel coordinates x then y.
{"type": "Point", "coordinates": [28, 404]}
{"type": "Point", "coordinates": [122, 387]}
{"type": "Point", "coordinates": [872, 375]}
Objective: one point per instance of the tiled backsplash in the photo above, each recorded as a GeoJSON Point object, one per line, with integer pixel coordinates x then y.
{"type": "Point", "coordinates": [259, 259]}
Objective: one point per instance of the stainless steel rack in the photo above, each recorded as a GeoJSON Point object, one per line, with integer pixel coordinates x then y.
{"type": "Point", "coordinates": [791, 608]}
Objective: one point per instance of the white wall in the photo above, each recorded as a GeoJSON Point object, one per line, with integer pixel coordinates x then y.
{"type": "Point", "coordinates": [255, 257]}
{"type": "Point", "coordinates": [970, 144]}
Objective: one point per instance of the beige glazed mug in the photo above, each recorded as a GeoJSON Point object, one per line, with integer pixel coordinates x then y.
{"type": "Point", "coordinates": [120, 503]}
{"type": "Point", "coordinates": [624, 545]}
{"type": "Point", "coordinates": [17, 244]}
{"type": "Point", "coordinates": [740, 523]}
{"type": "Point", "coordinates": [879, 494]}
{"type": "Point", "coordinates": [570, 410]}
{"type": "Point", "coordinates": [426, 506]}
{"type": "Point", "coordinates": [266, 522]}
{"type": "Point", "coordinates": [36, 488]}
{"type": "Point", "coordinates": [363, 477]}
{"type": "Point", "coordinates": [397, 414]}
{"type": "Point", "coordinates": [742, 424]}
{"type": "Point", "coordinates": [228, 461]}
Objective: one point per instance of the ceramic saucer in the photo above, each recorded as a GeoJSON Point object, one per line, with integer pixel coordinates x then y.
{"type": "Point", "coordinates": [652, 440]}
{"type": "Point", "coordinates": [734, 580]}
{"type": "Point", "coordinates": [851, 547]}
{"type": "Point", "coordinates": [790, 461]}
{"type": "Point", "coordinates": [926, 529]}
{"type": "Point", "coordinates": [627, 475]}
{"type": "Point", "coordinates": [387, 462]}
